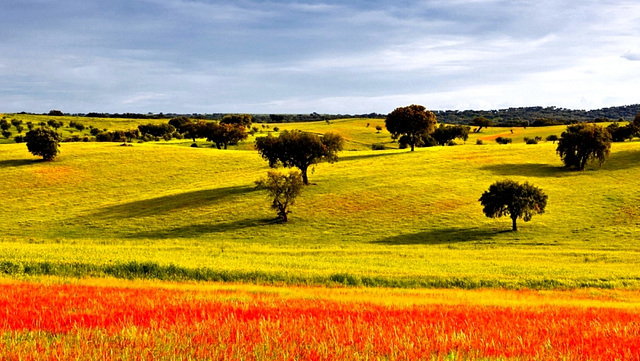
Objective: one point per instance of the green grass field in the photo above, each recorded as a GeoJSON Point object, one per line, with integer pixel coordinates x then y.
{"type": "Point", "coordinates": [391, 218]}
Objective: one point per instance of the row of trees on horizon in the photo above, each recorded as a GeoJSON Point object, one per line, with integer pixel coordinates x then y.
{"type": "Point", "coordinates": [515, 116]}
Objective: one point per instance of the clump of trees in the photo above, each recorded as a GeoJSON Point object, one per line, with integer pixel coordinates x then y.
{"type": "Point", "coordinates": [445, 134]}
{"type": "Point", "coordinates": [299, 149]}
{"type": "Point", "coordinates": [224, 134]}
{"type": "Point", "coordinates": [516, 200]}
{"type": "Point", "coordinates": [244, 120]}
{"type": "Point", "coordinates": [620, 134]}
{"type": "Point", "coordinates": [156, 130]}
{"type": "Point", "coordinates": [282, 189]}
{"type": "Point", "coordinates": [43, 142]}
{"type": "Point", "coordinates": [410, 124]}
{"type": "Point", "coordinates": [581, 143]}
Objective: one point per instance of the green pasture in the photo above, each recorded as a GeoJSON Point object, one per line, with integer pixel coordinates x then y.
{"type": "Point", "coordinates": [393, 217]}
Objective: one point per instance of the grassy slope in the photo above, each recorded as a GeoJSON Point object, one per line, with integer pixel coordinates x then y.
{"type": "Point", "coordinates": [387, 214]}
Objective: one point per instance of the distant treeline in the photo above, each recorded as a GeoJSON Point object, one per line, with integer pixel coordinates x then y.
{"type": "Point", "coordinates": [539, 116]}
{"type": "Point", "coordinates": [257, 118]}
{"type": "Point", "coordinates": [522, 116]}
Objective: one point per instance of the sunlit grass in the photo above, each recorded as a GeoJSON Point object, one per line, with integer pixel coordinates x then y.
{"type": "Point", "coordinates": [391, 214]}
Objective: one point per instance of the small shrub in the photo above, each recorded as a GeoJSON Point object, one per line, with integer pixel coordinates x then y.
{"type": "Point", "coordinates": [503, 140]}
{"type": "Point", "coordinates": [94, 131]}
{"type": "Point", "coordinates": [276, 129]}
{"type": "Point", "coordinates": [378, 128]}
{"type": "Point", "coordinates": [378, 146]}
{"type": "Point", "coordinates": [552, 138]}
{"type": "Point", "coordinates": [194, 145]}
{"type": "Point", "coordinates": [19, 139]}
{"type": "Point", "coordinates": [6, 134]}
{"type": "Point", "coordinates": [479, 142]}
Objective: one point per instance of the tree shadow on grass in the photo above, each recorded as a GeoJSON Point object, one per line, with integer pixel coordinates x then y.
{"type": "Point", "coordinates": [441, 236]}
{"type": "Point", "coordinates": [198, 230]}
{"type": "Point", "coordinates": [622, 160]}
{"type": "Point", "coordinates": [528, 169]}
{"type": "Point", "coordinates": [18, 162]}
{"type": "Point", "coordinates": [166, 204]}
{"type": "Point", "coordinates": [366, 156]}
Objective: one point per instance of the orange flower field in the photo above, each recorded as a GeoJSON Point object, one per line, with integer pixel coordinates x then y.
{"type": "Point", "coordinates": [129, 320]}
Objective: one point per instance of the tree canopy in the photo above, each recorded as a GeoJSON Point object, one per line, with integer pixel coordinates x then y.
{"type": "Point", "coordinates": [412, 122]}
{"type": "Point", "coordinates": [446, 133]}
{"type": "Point", "coordinates": [283, 189]}
{"type": "Point", "coordinates": [516, 200]}
{"type": "Point", "coordinates": [581, 143]}
{"type": "Point", "coordinates": [299, 149]}
{"type": "Point", "coordinates": [481, 122]}
{"type": "Point", "coordinates": [223, 134]}
{"type": "Point", "coordinates": [43, 142]}
{"type": "Point", "coordinates": [237, 119]}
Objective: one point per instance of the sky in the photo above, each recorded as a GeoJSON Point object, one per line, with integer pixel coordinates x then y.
{"type": "Point", "coordinates": [336, 57]}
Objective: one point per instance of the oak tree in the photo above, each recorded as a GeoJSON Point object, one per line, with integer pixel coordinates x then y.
{"type": "Point", "coordinates": [299, 149]}
{"type": "Point", "coordinates": [516, 200]}
{"type": "Point", "coordinates": [411, 122]}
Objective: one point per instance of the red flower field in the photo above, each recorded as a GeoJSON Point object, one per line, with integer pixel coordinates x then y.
{"type": "Point", "coordinates": [61, 321]}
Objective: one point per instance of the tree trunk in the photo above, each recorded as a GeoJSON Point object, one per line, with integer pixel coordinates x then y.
{"type": "Point", "coordinates": [305, 180]}
{"type": "Point", "coordinates": [515, 226]}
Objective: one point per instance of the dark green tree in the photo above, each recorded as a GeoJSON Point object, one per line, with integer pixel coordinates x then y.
{"type": "Point", "coordinates": [581, 143]}
{"type": "Point", "coordinates": [412, 122]}
{"type": "Point", "coordinates": [4, 124]}
{"type": "Point", "coordinates": [180, 123]}
{"type": "Point", "coordinates": [516, 200]}
{"type": "Point", "coordinates": [552, 138]}
{"type": "Point", "coordinates": [299, 149]}
{"type": "Point", "coordinates": [446, 133]}
{"type": "Point", "coordinates": [237, 119]}
{"type": "Point", "coordinates": [283, 189]}
{"type": "Point", "coordinates": [620, 134]}
{"type": "Point", "coordinates": [222, 134]}
{"type": "Point", "coordinates": [43, 142]}
{"type": "Point", "coordinates": [481, 122]}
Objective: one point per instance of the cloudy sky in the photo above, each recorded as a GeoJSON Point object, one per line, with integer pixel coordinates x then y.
{"type": "Point", "coordinates": [204, 56]}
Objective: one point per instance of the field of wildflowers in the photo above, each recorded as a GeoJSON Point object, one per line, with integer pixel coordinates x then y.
{"type": "Point", "coordinates": [133, 320]}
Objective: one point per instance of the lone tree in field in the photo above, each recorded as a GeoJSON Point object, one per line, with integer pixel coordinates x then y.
{"type": "Point", "coordinates": [43, 142]}
{"type": "Point", "coordinates": [299, 149]}
{"type": "Point", "coordinates": [516, 200]}
{"type": "Point", "coordinates": [283, 189]}
{"type": "Point", "coordinates": [481, 122]}
{"type": "Point", "coordinates": [582, 143]}
{"type": "Point", "coordinates": [412, 121]}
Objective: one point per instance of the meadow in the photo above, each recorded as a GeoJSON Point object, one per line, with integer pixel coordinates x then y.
{"type": "Point", "coordinates": [376, 218]}
{"type": "Point", "coordinates": [165, 251]}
